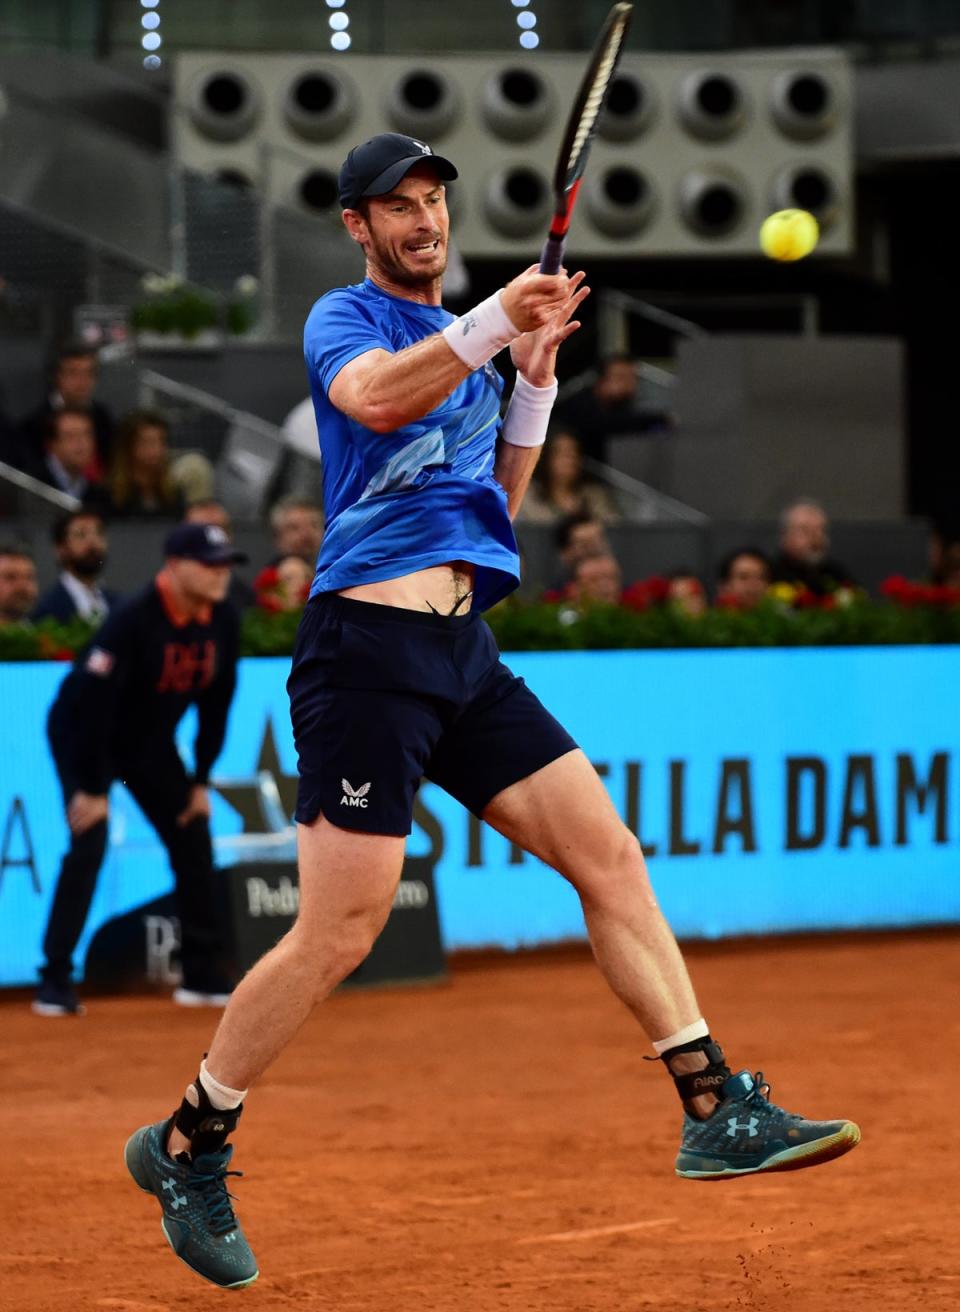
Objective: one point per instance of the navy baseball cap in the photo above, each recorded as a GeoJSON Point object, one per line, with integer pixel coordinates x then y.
{"type": "Point", "coordinates": [204, 542]}
{"type": "Point", "coordinates": [376, 167]}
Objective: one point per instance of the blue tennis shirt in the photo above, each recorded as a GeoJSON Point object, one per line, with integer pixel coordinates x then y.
{"type": "Point", "coordinates": [423, 494]}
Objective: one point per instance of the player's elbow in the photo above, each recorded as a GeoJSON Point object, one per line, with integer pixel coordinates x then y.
{"type": "Point", "coordinates": [383, 418]}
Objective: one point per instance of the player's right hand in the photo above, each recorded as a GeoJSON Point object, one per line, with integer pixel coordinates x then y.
{"type": "Point", "coordinates": [86, 810]}
{"type": "Point", "coordinates": [533, 298]}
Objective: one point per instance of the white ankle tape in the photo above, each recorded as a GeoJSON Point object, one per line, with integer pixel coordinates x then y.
{"type": "Point", "coordinates": [481, 333]}
{"type": "Point", "coordinates": [528, 414]}
{"type": "Point", "coordinates": [699, 1029]}
{"type": "Point", "coordinates": [222, 1098]}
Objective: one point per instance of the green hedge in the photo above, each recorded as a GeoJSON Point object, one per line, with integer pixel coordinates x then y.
{"type": "Point", "coordinates": [522, 626]}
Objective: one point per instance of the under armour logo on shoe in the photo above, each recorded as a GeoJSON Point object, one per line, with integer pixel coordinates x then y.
{"type": "Point", "coordinates": [354, 796]}
{"type": "Point", "coordinates": [733, 1125]}
{"type": "Point", "coordinates": [176, 1200]}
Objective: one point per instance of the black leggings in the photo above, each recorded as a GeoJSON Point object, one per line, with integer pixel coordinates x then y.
{"type": "Point", "coordinates": [161, 788]}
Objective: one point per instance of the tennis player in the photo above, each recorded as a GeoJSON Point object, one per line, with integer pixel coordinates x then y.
{"type": "Point", "coordinates": [396, 676]}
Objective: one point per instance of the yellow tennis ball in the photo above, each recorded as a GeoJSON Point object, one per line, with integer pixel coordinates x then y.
{"type": "Point", "coordinates": [789, 235]}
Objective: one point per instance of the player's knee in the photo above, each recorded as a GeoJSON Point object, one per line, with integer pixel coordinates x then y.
{"type": "Point", "coordinates": [618, 874]}
{"type": "Point", "coordinates": [329, 955]}
{"type": "Point", "coordinates": [353, 945]}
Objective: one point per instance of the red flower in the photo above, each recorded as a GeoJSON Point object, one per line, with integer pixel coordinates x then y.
{"type": "Point", "coordinates": [645, 593]}
{"type": "Point", "coordinates": [266, 587]}
{"type": "Point", "coordinates": [903, 592]}
{"type": "Point", "coordinates": [52, 650]}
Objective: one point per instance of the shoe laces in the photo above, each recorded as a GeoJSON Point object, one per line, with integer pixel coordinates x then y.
{"type": "Point", "coordinates": [758, 1095]}
{"type": "Point", "coordinates": [760, 1090]}
{"type": "Point", "coordinates": [215, 1196]}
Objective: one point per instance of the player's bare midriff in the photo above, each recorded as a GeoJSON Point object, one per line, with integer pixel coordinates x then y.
{"type": "Point", "coordinates": [443, 589]}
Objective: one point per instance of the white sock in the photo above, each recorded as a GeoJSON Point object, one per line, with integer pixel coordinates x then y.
{"type": "Point", "coordinates": [222, 1098]}
{"type": "Point", "coordinates": [699, 1029]}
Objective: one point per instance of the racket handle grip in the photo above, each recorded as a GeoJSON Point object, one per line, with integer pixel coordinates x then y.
{"type": "Point", "coordinates": [551, 257]}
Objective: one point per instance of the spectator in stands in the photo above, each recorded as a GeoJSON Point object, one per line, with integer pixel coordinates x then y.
{"type": "Point", "coordinates": [743, 579]}
{"type": "Point", "coordinates": [804, 543]}
{"type": "Point", "coordinates": [80, 543]}
{"type": "Point", "coordinates": [240, 594]}
{"type": "Point", "coordinates": [297, 524]}
{"type": "Point", "coordinates": [575, 537]}
{"type": "Point", "coordinates": [560, 488]}
{"type": "Point", "coordinates": [596, 578]}
{"type": "Point", "coordinates": [208, 510]}
{"type": "Point", "coordinates": [686, 594]}
{"type": "Point", "coordinates": [69, 454]}
{"type": "Point", "coordinates": [18, 584]}
{"type": "Point", "coordinates": [73, 382]}
{"type": "Point", "coordinates": [578, 536]}
{"type": "Point", "coordinates": [607, 408]}
{"type": "Point", "coordinates": [285, 585]}
{"type": "Point", "coordinates": [141, 482]}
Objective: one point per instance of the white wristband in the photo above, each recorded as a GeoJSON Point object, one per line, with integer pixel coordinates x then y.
{"type": "Point", "coordinates": [528, 414]}
{"type": "Point", "coordinates": [478, 335]}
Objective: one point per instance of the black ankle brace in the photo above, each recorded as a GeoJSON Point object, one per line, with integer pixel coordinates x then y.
{"type": "Point", "coordinates": [204, 1125]}
{"type": "Point", "coordinates": [708, 1080]}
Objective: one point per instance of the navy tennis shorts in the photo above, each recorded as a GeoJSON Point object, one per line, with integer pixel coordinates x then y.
{"type": "Point", "coordinates": [383, 697]}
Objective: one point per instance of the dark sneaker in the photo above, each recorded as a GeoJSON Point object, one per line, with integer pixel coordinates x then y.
{"type": "Point", "coordinates": [53, 999]}
{"type": "Point", "coordinates": [747, 1134]}
{"type": "Point", "coordinates": [198, 1220]}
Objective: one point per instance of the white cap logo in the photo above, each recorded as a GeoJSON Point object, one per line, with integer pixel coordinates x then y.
{"type": "Point", "coordinates": [425, 149]}
{"type": "Point", "coordinates": [215, 535]}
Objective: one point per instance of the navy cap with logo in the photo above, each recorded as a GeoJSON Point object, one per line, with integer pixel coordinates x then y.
{"type": "Point", "coordinates": [375, 167]}
{"type": "Point", "coordinates": [207, 543]}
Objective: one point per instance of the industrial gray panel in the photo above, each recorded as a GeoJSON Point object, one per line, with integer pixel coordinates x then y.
{"type": "Point", "coordinates": [665, 153]}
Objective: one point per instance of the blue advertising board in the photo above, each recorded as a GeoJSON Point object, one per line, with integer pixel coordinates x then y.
{"type": "Point", "coordinates": [773, 790]}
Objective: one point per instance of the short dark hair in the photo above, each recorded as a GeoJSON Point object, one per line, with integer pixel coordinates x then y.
{"type": "Point", "coordinates": [564, 530]}
{"type": "Point", "coordinates": [16, 549]}
{"type": "Point", "coordinates": [62, 524]}
{"type": "Point", "coordinates": [726, 565]}
{"type": "Point", "coordinates": [51, 425]}
{"type": "Point", "coordinates": [73, 350]}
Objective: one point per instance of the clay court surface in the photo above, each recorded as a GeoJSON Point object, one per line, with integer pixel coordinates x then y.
{"type": "Point", "coordinates": [498, 1143]}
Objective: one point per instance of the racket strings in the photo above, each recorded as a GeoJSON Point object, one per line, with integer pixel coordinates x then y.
{"type": "Point", "coordinates": [594, 100]}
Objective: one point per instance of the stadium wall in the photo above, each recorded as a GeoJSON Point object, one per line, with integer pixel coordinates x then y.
{"type": "Point", "coordinates": [773, 790]}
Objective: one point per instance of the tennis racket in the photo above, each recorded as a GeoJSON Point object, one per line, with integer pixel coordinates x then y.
{"type": "Point", "coordinates": [578, 137]}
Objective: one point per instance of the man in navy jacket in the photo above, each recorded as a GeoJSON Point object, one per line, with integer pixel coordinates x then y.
{"type": "Point", "coordinates": [172, 646]}
{"type": "Point", "coordinates": [80, 543]}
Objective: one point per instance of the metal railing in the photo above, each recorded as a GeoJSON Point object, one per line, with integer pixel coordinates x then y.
{"type": "Point", "coordinates": [648, 505]}
{"type": "Point", "coordinates": [247, 451]}
{"type": "Point", "coordinates": [22, 494]}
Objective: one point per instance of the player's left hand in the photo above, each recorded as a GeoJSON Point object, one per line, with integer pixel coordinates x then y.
{"type": "Point", "coordinates": [535, 353]}
{"type": "Point", "coordinates": [198, 805]}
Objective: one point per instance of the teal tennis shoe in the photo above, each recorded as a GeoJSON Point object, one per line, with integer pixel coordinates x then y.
{"type": "Point", "coordinates": [198, 1217]}
{"type": "Point", "coordinates": [747, 1133]}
